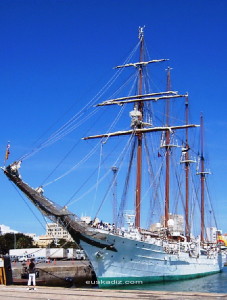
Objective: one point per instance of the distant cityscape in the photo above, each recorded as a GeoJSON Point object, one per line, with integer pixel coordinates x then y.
{"type": "Point", "coordinates": [54, 231]}
{"type": "Point", "coordinates": [176, 225]}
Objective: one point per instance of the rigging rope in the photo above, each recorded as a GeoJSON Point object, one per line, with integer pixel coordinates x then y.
{"type": "Point", "coordinates": [61, 161]}
{"type": "Point", "coordinates": [125, 190]}
{"type": "Point", "coordinates": [98, 175]}
{"type": "Point", "coordinates": [27, 204]}
{"type": "Point", "coordinates": [56, 137]}
{"type": "Point", "coordinates": [68, 127]}
{"type": "Point", "coordinates": [179, 193]}
{"type": "Point", "coordinates": [211, 205]}
{"type": "Point", "coordinates": [153, 185]}
{"type": "Point", "coordinates": [93, 150]}
{"type": "Point", "coordinates": [104, 198]}
{"type": "Point", "coordinates": [196, 190]}
{"type": "Point", "coordinates": [105, 175]}
{"type": "Point", "coordinates": [90, 153]}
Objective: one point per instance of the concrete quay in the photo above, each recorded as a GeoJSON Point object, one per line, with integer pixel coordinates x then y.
{"type": "Point", "coordinates": [55, 273]}
{"type": "Point", "coordinates": [57, 293]}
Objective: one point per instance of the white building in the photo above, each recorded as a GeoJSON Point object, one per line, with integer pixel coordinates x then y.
{"type": "Point", "coordinates": [211, 234]}
{"type": "Point", "coordinates": [55, 231]}
{"type": "Point", "coordinates": [175, 223]}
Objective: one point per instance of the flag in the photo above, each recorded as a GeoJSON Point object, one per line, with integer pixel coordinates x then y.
{"type": "Point", "coordinates": [7, 151]}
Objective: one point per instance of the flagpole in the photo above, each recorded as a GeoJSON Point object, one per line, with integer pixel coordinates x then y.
{"type": "Point", "coordinates": [7, 153]}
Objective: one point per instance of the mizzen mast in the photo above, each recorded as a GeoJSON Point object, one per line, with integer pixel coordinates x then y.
{"type": "Point", "coordinates": [202, 174]}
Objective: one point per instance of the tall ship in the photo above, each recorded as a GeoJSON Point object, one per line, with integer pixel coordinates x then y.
{"type": "Point", "coordinates": [159, 161]}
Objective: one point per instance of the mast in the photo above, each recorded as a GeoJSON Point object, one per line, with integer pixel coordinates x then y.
{"type": "Point", "coordinates": [186, 160]}
{"type": "Point", "coordinates": [187, 166]}
{"type": "Point", "coordinates": [139, 107]}
{"type": "Point", "coordinates": [202, 177]}
{"type": "Point", "coordinates": [167, 143]}
{"type": "Point", "coordinates": [202, 174]}
{"type": "Point", "coordinates": [138, 127]}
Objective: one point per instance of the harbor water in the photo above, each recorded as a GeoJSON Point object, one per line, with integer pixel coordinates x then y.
{"type": "Point", "coordinates": [216, 283]}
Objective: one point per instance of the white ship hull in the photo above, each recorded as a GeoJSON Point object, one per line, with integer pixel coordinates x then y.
{"type": "Point", "coordinates": [137, 262]}
{"type": "Point", "coordinates": [119, 260]}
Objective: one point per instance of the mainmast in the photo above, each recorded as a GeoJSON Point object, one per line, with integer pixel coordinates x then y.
{"type": "Point", "coordinates": [186, 160]}
{"type": "Point", "coordinates": [139, 107]}
{"type": "Point", "coordinates": [167, 146]}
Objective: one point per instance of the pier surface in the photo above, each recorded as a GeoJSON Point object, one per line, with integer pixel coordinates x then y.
{"type": "Point", "coordinates": [56, 293]}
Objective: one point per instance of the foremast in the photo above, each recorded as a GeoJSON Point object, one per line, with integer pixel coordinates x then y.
{"type": "Point", "coordinates": [139, 107]}
{"type": "Point", "coordinates": [168, 152]}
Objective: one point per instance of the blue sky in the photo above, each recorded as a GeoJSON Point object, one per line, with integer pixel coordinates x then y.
{"type": "Point", "coordinates": [56, 55]}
